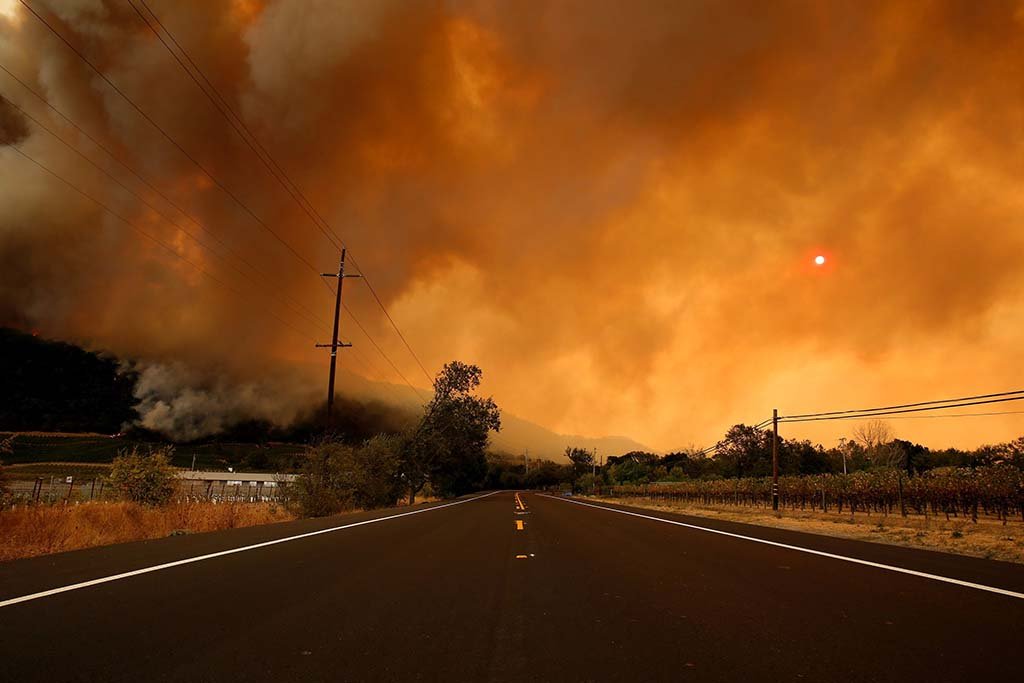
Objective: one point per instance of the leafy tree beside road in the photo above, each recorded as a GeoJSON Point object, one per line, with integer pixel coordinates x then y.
{"type": "Point", "coordinates": [447, 447]}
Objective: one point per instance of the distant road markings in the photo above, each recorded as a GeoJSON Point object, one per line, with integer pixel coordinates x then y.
{"type": "Point", "coordinates": [844, 558]}
{"type": "Point", "coordinates": [520, 557]}
{"type": "Point", "coordinates": [519, 525]}
{"type": "Point", "coordinates": [519, 503]}
{"type": "Point", "coordinates": [210, 556]}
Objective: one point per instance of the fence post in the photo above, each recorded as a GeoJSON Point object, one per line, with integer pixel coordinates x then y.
{"type": "Point", "coordinates": [899, 492]}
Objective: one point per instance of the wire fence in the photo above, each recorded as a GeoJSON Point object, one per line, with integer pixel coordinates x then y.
{"type": "Point", "coordinates": [70, 490]}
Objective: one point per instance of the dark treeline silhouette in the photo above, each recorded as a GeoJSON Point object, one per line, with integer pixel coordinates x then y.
{"type": "Point", "coordinates": [53, 386]}
{"type": "Point", "coordinates": [747, 452]}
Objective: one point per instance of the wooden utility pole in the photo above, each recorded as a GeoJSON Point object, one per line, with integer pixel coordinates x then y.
{"type": "Point", "coordinates": [775, 459]}
{"type": "Point", "coordinates": [335, 344]}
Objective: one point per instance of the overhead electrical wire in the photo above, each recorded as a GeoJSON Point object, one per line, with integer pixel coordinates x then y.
{"type": "Point", "coordinates": [167, 136]}
{"type": "Point", "coordinates": [188, 155]}
{"type": "Point", "coordinates": [266, 158]}
{"type": "Point", "coordinates": [941, 417]}
{"type": "Point", "coordinates": [896, 412]}
{"type": "Point", "coordinates": [711, 449]}
{"type": "Point", "coordinates": [904, 405]}
{"type": "Point", "coordinates": [265, 278]}
{"type": "Point", "coordinates": [156, 240]}
{"type": "Point", "coordinates": [279, 175]}
{"type": "Point", "coordinates": [848, 415]}
{"type": "Point", "coordinates": [306, 317]}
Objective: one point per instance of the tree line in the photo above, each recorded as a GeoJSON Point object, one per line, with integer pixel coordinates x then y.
{"type": "Point", "coordinates": [746, 452]}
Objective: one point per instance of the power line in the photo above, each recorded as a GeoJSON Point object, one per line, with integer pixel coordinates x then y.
{"type": "Point", "coordinates": [844, 416]}
{"type": "Point", "coordinates": [273, 167]}
{"type": "Point", "coordinates": [147, 235]}
{"type": "Point", "coordinates": [218, 102]}
{"type": "Point", "coordinates": [170, 139]}
{"type": "Point", "coordinates": [381, 351]}
{"type": "Point", "coordinates": [142, 179]}
{"type": "Point", "coordinates": [180, 227]}
{"type": "Point", "coordinates": [895, 410]}
{"type": "Point", "coordinates": [904, 405]}
{"type": "Point", "coordinates": [190, 157]}
{"type": "Point", "coordinates": [271, 164]}
{"type": "Point", "coordinates": [937, 417]}
{"type": "Point", "coordinates": [711, 449]}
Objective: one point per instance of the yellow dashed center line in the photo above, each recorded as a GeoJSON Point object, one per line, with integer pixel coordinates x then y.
{"type": "Point", "coordinates": [519, 525]}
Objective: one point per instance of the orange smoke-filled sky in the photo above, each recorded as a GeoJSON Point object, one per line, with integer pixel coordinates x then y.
{"type": "Point", "coordinates": [613, 208]}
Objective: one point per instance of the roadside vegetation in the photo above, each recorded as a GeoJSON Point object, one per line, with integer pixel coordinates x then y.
{"type": "Point", "coordinates": [147, 505]}
{"type": "Point", "coordinates": [31, 530]}
{"type": "Point", "coordinates": [444, 453]}
{"type": "Point", "coordinates": [871, 486]}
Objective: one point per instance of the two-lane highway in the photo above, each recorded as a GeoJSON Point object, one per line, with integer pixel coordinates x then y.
{"type": "Point", "coordinates": [509, 586]}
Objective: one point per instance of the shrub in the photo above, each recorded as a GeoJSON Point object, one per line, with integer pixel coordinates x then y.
{"type": "Point", "coordinates": [335, 476]}
{"type": "Point", "coordinates": [319, 490]}
{"type": "Point", "coordinates": [374, 474]}
{"type": "Point", "coordinates": [146, 478]}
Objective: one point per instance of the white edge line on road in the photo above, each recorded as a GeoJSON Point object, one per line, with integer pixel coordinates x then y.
{"type": "Point", "coordinates": [821, 553]}
{"type": "Point", "coordinates": [210, 556]}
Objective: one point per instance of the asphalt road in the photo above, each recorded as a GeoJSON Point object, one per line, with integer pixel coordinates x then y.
{"type": "Point", "coordinates": [461, 593]}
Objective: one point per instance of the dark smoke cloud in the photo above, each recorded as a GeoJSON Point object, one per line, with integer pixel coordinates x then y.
{"type": "Point", "coordinates": [611, 207]}
{"type": "Point", "coordinates": [13, 126]}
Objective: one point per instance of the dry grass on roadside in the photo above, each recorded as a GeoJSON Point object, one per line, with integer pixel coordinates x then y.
{"type": "Point", "coordinates": [43, 529]}
{"type": "Point", "coordinates": [988, 538]}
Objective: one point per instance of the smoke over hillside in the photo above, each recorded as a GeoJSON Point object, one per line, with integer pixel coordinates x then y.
{"type": "Point", "coordinates": [610, 207]}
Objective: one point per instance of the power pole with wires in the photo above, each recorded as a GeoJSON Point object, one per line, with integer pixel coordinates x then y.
{"type": "Point", "coordinates": [335, 344]}
{"type": "Point", "coordinates": [775, 459]}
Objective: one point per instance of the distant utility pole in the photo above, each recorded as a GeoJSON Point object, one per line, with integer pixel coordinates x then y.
{"type": "Point", "coordinates": [335, 344]}
{"type": "Point", "coordinates": [526, 459]}
{"type": "Point", "coordinates": [775, 459]}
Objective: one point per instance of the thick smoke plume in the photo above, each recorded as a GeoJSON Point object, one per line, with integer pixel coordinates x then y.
{"type": "Point", "coordinates": [174, 400]}
{"type": "Point", "coordinates": [611, 207]}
